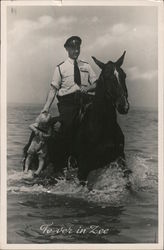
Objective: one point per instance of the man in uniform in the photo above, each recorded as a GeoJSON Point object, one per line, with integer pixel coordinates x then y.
{"type": "Point", "coordinates": [71, 78]}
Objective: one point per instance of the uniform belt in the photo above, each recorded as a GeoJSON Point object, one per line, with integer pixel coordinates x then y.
{"type": "Point", "coordinates": [73, 97]}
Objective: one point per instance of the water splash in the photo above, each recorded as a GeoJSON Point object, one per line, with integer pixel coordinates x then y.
{"type": "Point", "coordinates": [107, 185]}
{"type": "Point", "coordinates": [144, 175]}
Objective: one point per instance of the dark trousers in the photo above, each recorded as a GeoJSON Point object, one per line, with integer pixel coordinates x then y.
{"type": "Point", "coordinates": [68, 106]}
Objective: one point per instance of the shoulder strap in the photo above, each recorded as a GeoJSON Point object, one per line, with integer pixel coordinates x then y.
{"type": "Point", "coordinates": [60, 70]}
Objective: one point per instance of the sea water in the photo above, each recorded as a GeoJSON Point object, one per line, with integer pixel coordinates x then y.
{"type": "Point", "coordinates": [68, 213]}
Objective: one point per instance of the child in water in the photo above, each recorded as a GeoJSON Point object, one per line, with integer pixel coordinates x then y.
{"type": "Point", "coordinates": [42, 129]}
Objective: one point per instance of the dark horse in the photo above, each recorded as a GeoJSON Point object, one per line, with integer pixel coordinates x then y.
{"type": "Point", "coordinates": [98, 139]}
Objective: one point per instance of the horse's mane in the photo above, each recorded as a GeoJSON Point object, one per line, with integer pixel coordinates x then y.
{"type": "Point", "coordinates": [100, 104]}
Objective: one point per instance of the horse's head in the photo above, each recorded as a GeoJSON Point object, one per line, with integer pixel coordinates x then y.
{"type": "Point", "coordinates": [113, 78]}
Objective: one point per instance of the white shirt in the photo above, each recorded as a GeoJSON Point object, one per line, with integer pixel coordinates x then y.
{"type": "Point", "coordinates": [63, 78]}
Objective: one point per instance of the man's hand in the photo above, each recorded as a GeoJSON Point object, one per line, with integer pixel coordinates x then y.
{"type": "Point", "coordinates": [43, 111]}
{"type": "Point", "coordinates": [84, 89]}
{"type": "Point", "coordinates": [90, 88]}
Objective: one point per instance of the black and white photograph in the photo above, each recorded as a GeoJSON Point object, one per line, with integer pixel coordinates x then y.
{"type": "Point", "coordinates": [81, 125]}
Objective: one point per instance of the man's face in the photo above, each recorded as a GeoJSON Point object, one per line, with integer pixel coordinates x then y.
{"type": "Point", "coordinates": [73, 52]}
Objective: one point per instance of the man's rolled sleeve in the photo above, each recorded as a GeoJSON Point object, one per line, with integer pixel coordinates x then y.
{"type": "Point", "coordinates": [92, 75]}
{"type": "Point", "coordinates": [56, 80]}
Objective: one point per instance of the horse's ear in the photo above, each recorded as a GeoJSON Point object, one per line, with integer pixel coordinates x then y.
{"type": "Point", "coordinates": [120, 60]}
{"type": "Point", "coordinates": [100, 64]}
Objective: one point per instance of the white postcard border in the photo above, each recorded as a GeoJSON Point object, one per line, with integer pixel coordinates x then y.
{"type": "Point", "coordinates": [3, 225]}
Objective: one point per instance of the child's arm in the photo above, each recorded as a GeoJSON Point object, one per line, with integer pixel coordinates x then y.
{"type": "Point", "coordinates": [33, 127]}
{"type": "Point", "coordinates": [25, 149]}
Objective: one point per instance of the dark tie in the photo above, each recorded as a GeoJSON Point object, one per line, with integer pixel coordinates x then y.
{"type": "Point", "coordinates": [77, 77]}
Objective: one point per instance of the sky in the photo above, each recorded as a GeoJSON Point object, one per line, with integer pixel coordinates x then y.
{"type": "Point", "coordinates": [36, 34]}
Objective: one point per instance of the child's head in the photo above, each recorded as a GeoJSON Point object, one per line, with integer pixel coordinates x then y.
{"type": "Point", "coordinates": [43, 118]}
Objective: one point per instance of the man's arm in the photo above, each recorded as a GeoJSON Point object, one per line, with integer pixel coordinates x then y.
{"type": "Point", "coordinates": [50, 99]}
{"type": "Point", "coordinates": [55, 86]}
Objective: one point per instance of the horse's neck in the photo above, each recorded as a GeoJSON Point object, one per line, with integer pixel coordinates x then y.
{"type": "Point", "coordinates": [103, 112]}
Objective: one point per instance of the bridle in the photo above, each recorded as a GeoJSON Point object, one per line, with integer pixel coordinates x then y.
{"type": "Point", "coordinates": [109, 94]}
